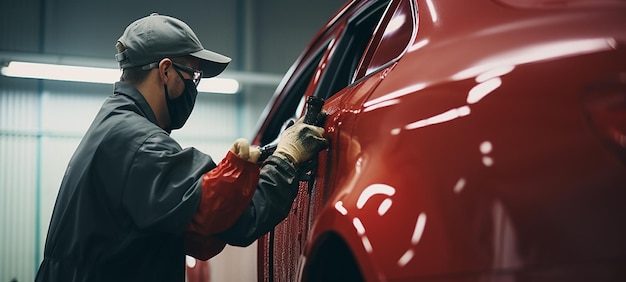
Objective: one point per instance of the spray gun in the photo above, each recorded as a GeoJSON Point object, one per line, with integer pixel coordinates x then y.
{"type": "Point", "coordinates": [312, 116]}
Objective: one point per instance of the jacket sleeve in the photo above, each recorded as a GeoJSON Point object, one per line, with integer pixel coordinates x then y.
{"type": "Point", "coordinates": [162, 187]}
{"type": "Point", "coordinates": [271, 203]}
{"type": "Point", "coordinates": [226, 192]}
{"type": "Point", "coordinates": [202, 247]}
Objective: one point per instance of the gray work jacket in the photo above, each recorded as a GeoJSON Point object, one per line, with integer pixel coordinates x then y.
{"type": "Point", "coordinates": [129, 193]}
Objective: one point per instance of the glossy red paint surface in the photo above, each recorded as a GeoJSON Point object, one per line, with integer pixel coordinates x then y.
{"type": "Point", "coordinates": [472, 141]}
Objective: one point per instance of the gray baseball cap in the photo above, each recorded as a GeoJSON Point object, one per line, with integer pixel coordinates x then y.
{"type": "Point", "coordinates": [152, 38]}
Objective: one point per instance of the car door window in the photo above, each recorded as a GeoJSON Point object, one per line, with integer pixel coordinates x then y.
{"type": "Point", "coordinates": [293, 99]}
{"type": "Point", "coordinates": [348, 52]}
{"type": "Point", "coordinates": [379, 25]}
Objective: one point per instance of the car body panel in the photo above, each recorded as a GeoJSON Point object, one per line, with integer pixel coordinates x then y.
{"type": "Point", "coordinates": [491, 148]}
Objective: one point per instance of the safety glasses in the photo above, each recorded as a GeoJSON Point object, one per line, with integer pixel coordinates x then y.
{"type": "Point", "coordinates": [196, 75]}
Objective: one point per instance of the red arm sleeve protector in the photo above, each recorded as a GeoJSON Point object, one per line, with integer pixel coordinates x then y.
{"type": "Point", "coordinates": [226, 192]}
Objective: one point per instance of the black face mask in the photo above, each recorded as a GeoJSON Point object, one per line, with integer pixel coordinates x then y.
{"type": "Point", "coordinates": [181, 107]}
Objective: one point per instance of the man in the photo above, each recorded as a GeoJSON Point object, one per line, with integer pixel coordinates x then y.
{"type": "Point", "coordinates": [132, 202]}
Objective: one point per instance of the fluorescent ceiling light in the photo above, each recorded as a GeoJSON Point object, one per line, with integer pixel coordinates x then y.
{"type": "Point", "coordinates": [99, 75]}
{"type": "Point", "coordinates": [61, 72]}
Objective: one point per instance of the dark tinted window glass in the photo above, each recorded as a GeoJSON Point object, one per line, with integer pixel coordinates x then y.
{"type": "Point", "coordinates": [294, 97]}
{"type": "Point", "coordinates": [342, 66]}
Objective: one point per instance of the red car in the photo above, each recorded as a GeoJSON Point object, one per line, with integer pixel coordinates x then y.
{"type": "Point", "coordinates": [480, 140]}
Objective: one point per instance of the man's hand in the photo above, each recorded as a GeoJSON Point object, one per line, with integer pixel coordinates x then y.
{"type": "Point", "coordinates": [300, 142]}
{"type": "Point", "coordinates": [241, 147]}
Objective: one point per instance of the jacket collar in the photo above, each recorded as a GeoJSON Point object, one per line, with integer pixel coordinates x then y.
{"type": "Point", "coordinates": [128, 90]}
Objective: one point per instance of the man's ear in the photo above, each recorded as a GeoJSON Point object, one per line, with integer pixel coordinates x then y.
{"type": "Point", "coordinates": [165, 66]}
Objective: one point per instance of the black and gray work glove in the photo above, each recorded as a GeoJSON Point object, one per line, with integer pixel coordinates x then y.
{"type": "Point", "coordinates": [301, 142]}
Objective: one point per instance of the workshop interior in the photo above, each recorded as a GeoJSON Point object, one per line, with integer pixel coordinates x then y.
{"type": "Point", "coordinates": [467, 140]}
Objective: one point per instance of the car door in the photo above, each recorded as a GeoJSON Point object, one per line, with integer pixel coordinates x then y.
{"type": "Point", "coordinates": [345, 62]}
